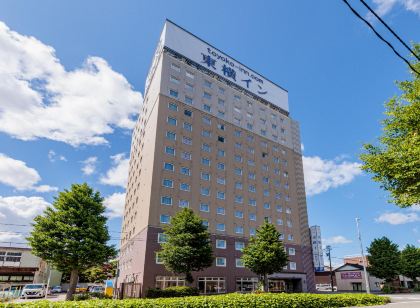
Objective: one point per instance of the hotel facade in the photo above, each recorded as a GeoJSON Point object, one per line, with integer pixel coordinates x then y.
{"type": "Point", "coordinates": [214, 136]}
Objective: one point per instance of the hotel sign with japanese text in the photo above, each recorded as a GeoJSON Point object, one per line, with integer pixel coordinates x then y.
{"type": "Point", "coordinates": [211, 58]}
{"type": "Point", "coordinates": [351, 275]}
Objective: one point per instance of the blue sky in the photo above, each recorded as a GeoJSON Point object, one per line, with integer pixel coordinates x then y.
{"type": "Point", "coordinates": [66, 115]}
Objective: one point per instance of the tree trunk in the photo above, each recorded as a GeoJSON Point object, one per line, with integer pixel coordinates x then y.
{"type": "Point", "coordinates": [265, 283]}
{"type": "Point", "coordinates": [74, 277]}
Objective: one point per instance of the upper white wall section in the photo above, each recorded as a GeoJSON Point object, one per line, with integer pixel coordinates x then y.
{"type": "Point", "coordinates": [195, 49]}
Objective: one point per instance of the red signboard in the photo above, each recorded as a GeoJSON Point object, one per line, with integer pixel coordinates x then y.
{"type": "Point", "coordinates": [351, 275]}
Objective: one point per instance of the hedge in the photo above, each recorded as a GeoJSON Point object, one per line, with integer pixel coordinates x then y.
{"type": "Point", "coordinates": [172, 292]}
{"type": "Point", "coordinates": [266, 300]}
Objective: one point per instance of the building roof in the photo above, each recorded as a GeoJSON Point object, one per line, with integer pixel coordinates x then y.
{"type": "Point", "coordinates": [349, 267]}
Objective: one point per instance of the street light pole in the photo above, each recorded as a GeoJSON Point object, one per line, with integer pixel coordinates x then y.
{"type": "Point", "coordinates": [48, 282]}
{"type": "Point", "coordinates": [328, 253]}
{"type": "Point", "coordinates": [363, 256]}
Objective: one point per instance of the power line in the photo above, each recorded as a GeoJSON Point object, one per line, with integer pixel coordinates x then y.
{"type": "Point", "coordinates": [389, 28]}
{"type": "Point", "coordinates": [380, 36]}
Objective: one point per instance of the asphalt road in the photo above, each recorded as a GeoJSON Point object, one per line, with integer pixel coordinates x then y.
{"type": "Point", "coordinates": [403, 301]}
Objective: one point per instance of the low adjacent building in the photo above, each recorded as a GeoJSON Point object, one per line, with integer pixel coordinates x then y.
{"type": "Point", "coordinates": [351, 278]}
{"type": "Point", "coordinates": [18, 266]}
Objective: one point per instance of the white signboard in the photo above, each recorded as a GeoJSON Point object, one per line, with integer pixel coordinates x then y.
{"type": "Point", "coordinates": [213, 59]}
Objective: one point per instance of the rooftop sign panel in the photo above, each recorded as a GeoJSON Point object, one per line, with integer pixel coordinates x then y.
{"type": "Point", "coordinates": [195, 49]}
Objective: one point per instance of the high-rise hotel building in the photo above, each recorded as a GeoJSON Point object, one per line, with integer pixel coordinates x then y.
{"type": "Point", "coordinates": [214, 136]}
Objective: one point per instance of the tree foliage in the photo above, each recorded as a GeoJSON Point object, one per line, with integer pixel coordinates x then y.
{"type": "Point", "coordinates": [410, 262]}
{"type": "Point", "coordinates": [395, 162]}
{"type": "Point", "coordinates": [384, 259]}
{"type": "Point", "coordinates": [188, 247]}
{"type": "Point", "coordinates": [265, 253]}
{"type": "Point", "coordinates": [72, 234]}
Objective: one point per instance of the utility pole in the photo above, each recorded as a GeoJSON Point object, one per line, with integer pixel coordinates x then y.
{"type": "Point", "coordinates": [328, 253]}
{"type": "Point", "coordinates": [48, 282]}
{"type": "Point", "coordinates": [359, 235]}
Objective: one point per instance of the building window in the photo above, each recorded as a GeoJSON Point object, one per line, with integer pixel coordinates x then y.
{"type": "Point", "coordinates": [221, 166]}
{"type": "Point", "coordinates": [239, 214]}
{"type": "Point", "coordinates": [221, 195]}
{"type": "Point", "coordinates": [188, 100]}
{"type": "Point", "coordinates": [279, 221]}
{"type": "Point", "coordinates": [166, 200]}
{"type": "Point", "coordinates": [187, 126]}
{"type": "Point", "coordinates": [267, 205]}
{"type": "Point", "coordinates": [170, 151]}
{"type": "Point", "coordinates": [168, 183]}
{"type": "Point", "coordinates": [239, 262]}
{"type": "Point", "coordinates": [221, 114]}
{"type": "Point", "coordinates": [279, 208]}
{"type": "Point", "coordinates": [206, 95]}
{"type": "Point", "coordinates": [205, 223]}
{"type": "Point", "coordinates": [220, 139]}
{"type": "Point", "coordinates": [251, 188]}
{"type": "Point", "coordinates": [186, 140]}
{"type": "Point", "coordinates": [204, 207]}
{"type": "Point", "coordinates": [205, 191]}
{"type": "Point", "coordinates": [221, 244]}
{"type": "Point", "coordinates": [207, 108]}
{"type": "Point", "coordinates": [221, 102]}
{"type": "Point", "coordinates": [251, 176]}
{"type": "Point", "coordinates": [289, 210]}
{"type": "Point", "coordinates": [252, 216]}
{"type": "Point", "coordinates": [289, 223]}
{"type": "Point", "coordinates": [173, 93]}
{"type": "Point", "coordinates": [163, 282]}
{"type": "Point", "coordinates": [292, 251]}
{"type": "Point", "coordinates": [171, 121]}
{"type": "Point", "coordinates": [221, 181]}
{"type": "Point", "coordinates": [252, 202]}
{"type": "Point", "coordinates": [186, 155]}
{"type": "Point", "coordinates": [211, 285]}
{"type": "Point", "coordinates": [175, 67]}
{"type": "Point", "coordinates": [290, 237]}
{"type": "Point", "coordinates": [184, 186]}
{"type": "Point", "coordinates": [220, 211]}
{"type": "Point", "coordinates": [173, 106]}
{"type": "Point", "coordinates": [246, 284]}
{"type": "Point", "coordinates": [168, 167]}
{"type": "Point", "coordinates": [239, 199]}
{"type": "Point", "coordinates": [238, 185]}
{"type": "Point", "coordinates": [162, 238]}
{"type": "Point", "coordinates": [173, 79]}
{"type": "Point", "coordinates": [239, 246]}
{"type": "Point", "coordinates": [207, 83]}
{"type": "Point", "coordinates": [292, 266]}
{"type": "Point", "coordinates": [185, 171]}
{"type": "Point", "coordinates": [221, 153]}
{"type": "Point", "coordinates": [205, 161]}
{"type": "Point", "coordinates": [239, 229]}
{"type": "Point", "coordinates": [159, 260]}
{"type": "Point", "coordinates": [221, 261]}
{"type": "Point", "coordinates": [220, 227]}
{"type": "Point", "coordinates": [206, 120]}
{"type": "Point", "coordinates": [205, 133]}
{"type": "Point", "coordinates": [205, 147]}
{"type": "Point", "coordinates": [189, 74]}
{"type": "Point", "coordinates": [183, 203]}
{"type": "Point", "coordinates": [170, 135]}
{"type": "Point", "coordinates": [252, 231]}
{"type": "Point", "coordinates": [249, 126]}
{"type": "Point", "coordinates": [205, 176]}
{"type": "Point", "coordinates": [238, 171]}
{"type": "Point", "coordinates": [165, 219]}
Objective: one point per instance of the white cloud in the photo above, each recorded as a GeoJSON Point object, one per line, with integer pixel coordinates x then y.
{"type": "Point", "coordinates": [19, 210]}
{"type": "Point", "coordinates": [40, 99]}
{"type": "Point", "coordinates": [339, 239]}
{"type": "Point", "coordinates": [118, 174]}
{"type": "Point", "coordinates": [321, 175]}
{"type": "Point", "coordinates": [89, 165]}
{"type": "Point", "coordinates": [115, 205]}
{"type": "Point", "coordinates": [52, 156]}
{"type": "Point", "coordinates": [384, 7]}
{"type": "Point", "coordinates": [396, 218]}
{"type": "Point", "coordinates": [17, 174]}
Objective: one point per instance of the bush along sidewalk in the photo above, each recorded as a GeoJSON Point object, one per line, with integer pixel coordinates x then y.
{"type": "Point", "coordinates": [232, 300]}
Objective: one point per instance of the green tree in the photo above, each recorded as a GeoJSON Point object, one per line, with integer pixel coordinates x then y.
{"type": "Point", "coordinates": [410, 262]}
{"type": "Point", "coordinates": [383, 259]}
{"type": "Point", "coordinates": [72, 234]}
{"type": "Point", "coordinates": [265, 253]}
{"type": "Point", "coordinates": [102, 272]}
{"type": "Point", "coordinates": [188, 247]}
{"type": "Point", "coordinates": [395, 162]}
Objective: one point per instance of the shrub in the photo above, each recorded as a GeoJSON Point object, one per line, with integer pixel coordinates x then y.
{"type": "Point", "coordinates": [172, 292]}
{"type": "Point", "coordinates": [233, 300]}
{"type": "Point", "coordinates": [387, 289]}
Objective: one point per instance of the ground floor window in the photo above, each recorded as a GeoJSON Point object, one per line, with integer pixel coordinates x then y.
{"type": "Point", "coordinates": [246, 284]}
{"type": "Point", "coordinates": [212, 285]}
{"type": "Point", "coordinates": [163, 282]}
{"type": "Point", "coordinates": [357, 286]}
